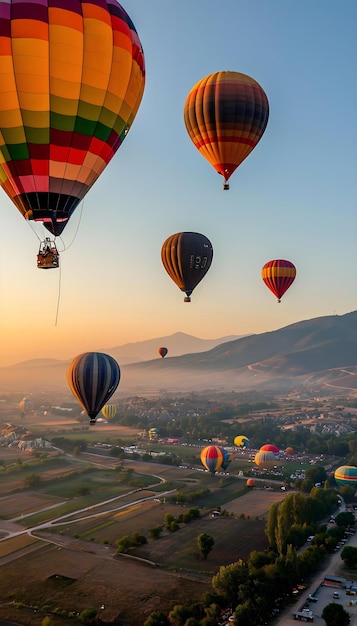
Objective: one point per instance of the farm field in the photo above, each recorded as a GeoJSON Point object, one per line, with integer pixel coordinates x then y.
{"type": "Point", "coordinates": [75, 564]}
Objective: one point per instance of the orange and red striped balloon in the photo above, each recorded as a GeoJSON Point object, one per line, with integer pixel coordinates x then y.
{"type": "Point", "coordinates": [278, 275]}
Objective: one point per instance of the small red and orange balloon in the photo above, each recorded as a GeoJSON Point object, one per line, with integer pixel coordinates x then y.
{"type": "Point", "coordinates": [162, 352]}
{"type": "Point", "coordinates": [278, 276]}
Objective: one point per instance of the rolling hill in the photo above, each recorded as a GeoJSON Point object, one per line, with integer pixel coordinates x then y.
{"type": "Point", "coordinates": [317, 352]}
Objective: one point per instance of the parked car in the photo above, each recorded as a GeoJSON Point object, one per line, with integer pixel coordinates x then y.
{"type": "Point", "coordinates": [311, 598]}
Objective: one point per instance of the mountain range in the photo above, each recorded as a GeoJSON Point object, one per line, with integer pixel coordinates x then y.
{"type": "Point", "coordinates": [321, 352]}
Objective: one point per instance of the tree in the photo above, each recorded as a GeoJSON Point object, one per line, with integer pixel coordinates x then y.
{"type": "Point", "coordinates": [179, 614]}
{"type": "Point", "coordinates": [157, 618]}
{"type": "Point", "coordinates": [228, 579]}
{"type": "Point", "coordinates": [205, 544]}
{"type": "Point", "coordinates": [349, 556]}
{"type": "Point", "coordinates": [345, 519]}
{"type": "Point", "coordinates": [32, 480]}
{"type": "Point", "coordinates": [335, 615]}
{"type": "Point", "coordinates": [123, 544]}
{"type": "Point", "coordinates": [88, 615]}
{"type": "Point", "coordinates": [169, 518]}
{"type": "Point", "coordinates": [155, 532]}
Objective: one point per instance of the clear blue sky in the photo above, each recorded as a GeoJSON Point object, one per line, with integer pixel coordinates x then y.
{"type": "Point", "coordinates": [294, 197]}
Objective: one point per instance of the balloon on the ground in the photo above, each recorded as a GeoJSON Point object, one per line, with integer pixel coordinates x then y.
{"type": "Point", "coordinates": [109, 411]}
{"type": "Point", "coordinates": [154, 433]}
{"type": "Point", "coordinates": [241, 441]}
{"type": "Point", "coordinates": [187, 257]}
{"type": "Point", "coordinates": [289, 451]}
{"type": "Point", "coordinates": [278, 276]}
{"type": "Point", "coordinates": [226, 114]}
{"type": "Point", "coordinates": [26, 405]}
{"type": "Point", "coordinates": [250, 482]}
{"type": "Point", "coordinates": [226, 458]}
{"type": "Point", "coordinates": [72, 79]}
{"type": "Point", "coordinates": [212, 458]}
{"type": "Point", "coordinates": [346, 475]}
{"type": "Point", "coordinates": [265, 460]}
{"type": "Point", "coordinates": [93, 378]}
{"type": "Point", "coordinates": [269, 447]}
{"type": "Point", "coordinates": [163, 352]}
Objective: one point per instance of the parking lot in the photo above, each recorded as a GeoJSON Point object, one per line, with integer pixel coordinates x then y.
{"type": "Point", "coordinates": [324, 594]}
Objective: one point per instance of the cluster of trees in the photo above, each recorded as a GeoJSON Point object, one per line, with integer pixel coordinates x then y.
{"type": "Point", "coordinates": [222, 422]}
{"type": "Point", "coordinates": [256, 588]}
{"type": "Point", "coordinates": [171, 523]}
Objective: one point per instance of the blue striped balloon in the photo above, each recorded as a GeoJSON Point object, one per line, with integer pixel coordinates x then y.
{"type": "Point", "coordinates": [93, 378]}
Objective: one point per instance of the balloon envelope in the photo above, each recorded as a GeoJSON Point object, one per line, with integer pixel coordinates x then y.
{"type": "Point", "coordinates": [93, 378]}
{"type": "Point", "coordinates": [269, 447]}
{"type": "Point", "coordinates": [26, 405]}
{"type": "Point", "coordinates": [163, 352]}
{"type": "Point", "coordinates": [241, 441]}
{"type": "Point", "coordinates": [72, 79]}
{"type": "Point", "coordinates": [346, 475]}
{"type": "Point", "coordinates": [212, 458]}
{"type": "Point", "coordinates": [187, 258]}
{"type": "Point", "coordinates": [109, 411]}
{"type": "Point", "coordinates": [278, 275]}
{"type": "Point", "coordinates": [250, 482]}
{"type": "Point", "coordinates": [226, 114]}
{"type": "Point", "coordinates": [265, 460]}
{"type": "Point", "coordinates": [226, 458]}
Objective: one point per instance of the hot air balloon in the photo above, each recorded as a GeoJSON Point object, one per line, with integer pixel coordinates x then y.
{"type": "Point", "coordinates": [72, 79]}
{"type": "Point", "coordinates": [163, 352]}
{"type": "Point", "coordinates": [212, 458]}
{"type": "Point", "coordinates": [278, 275]}
{"type": "Point", "coordinates": [241, 441]}
{"type": "Point", "coordinates": [154, 433]}
{"type": "Point", "coordinates": [346, 475]}
{"type": "Point", "coordinates": [265, 460]}
{"type": "Point", "coordinates": [26, 405]}
{"type": "Point", "coordinates": [226, 114]}
{"type": "Point", "coordinates": [250, 482]}
{"type": "Point", "coordinates": [226, 458]}
{"type": "Point", "coordinates": [187, 258]}
{"type": "Point", "coordinates": [269, 447]}
{"type": "Point", "coordinates": [289, 451]}
{"type": "Point", "coordinates": [93, 377]}
{"type": "Point", "coordinates": [109, 411]}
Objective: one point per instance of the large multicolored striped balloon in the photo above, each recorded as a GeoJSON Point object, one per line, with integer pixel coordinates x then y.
{"type": "Point", "coordinates": [278, 275]}
{"type": "Point", "coordinates": [226, 114]}
{"type": "Point", "coordinates": [346, 475]}
{"type": "Point", "coordinates": [265, 460]}
{"type": "Point", "coordinates": [212, 458]}
{"type": "Point", "coordinates": [93, 377]}
{"type": "Point", "coordinates": [72, 76]}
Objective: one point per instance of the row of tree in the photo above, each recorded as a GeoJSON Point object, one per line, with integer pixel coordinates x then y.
{"type": "Point", "coordinates": [255, 589]}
